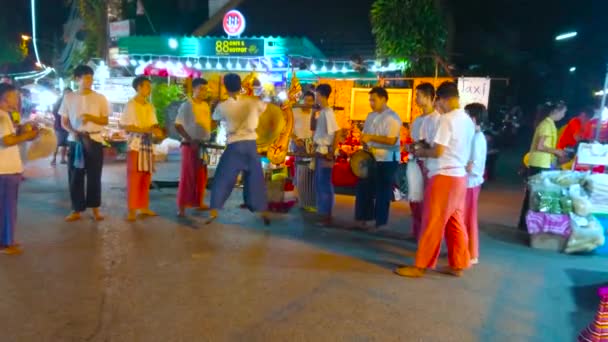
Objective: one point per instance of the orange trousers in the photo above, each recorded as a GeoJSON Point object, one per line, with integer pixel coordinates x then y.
{"type": "Point", "coordinates": [444, 216]}
{"type": "Point", "coordinates": [138, 184]}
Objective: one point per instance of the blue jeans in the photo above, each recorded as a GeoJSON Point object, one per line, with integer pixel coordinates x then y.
{"type": "Point", "coordinates": [324, 189]}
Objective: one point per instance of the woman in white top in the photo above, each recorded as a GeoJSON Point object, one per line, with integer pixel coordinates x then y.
{"type": "Point", "coordinates": [475, 178]}
{"type": "Point", "coordinates": [139, 120]}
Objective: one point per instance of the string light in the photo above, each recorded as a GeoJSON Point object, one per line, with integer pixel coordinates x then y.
{"type": "Point", "coordinates": [344, 69]}
{"type": "Point", "coordinates": [229, 65]}
{"type": "Point", "coordinates": [208, 65]}
{"type": "Point", "coordinates": [189, 64]}
{"type": "Point", "coordinates": [218, 66]}
{"type": "Point", "coordinates": [324, 68]}
{"type": "Point", "coordinates": [198, 65]}
{"type": "Point", "coordinates": [313, 67]}
{"type": "Point", "coordinates": [133, 62]}
{"type": "Point", "coordinates": [334, 69]}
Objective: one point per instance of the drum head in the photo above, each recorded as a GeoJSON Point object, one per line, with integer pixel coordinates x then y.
{"type": "Point", "coordinates": [361, 162]}
{"type": "Point", "coordinates": [270, 126]}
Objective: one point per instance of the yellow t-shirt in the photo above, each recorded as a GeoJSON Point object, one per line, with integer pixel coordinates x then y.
{"type": "Point", "coordinates": [543, 159]}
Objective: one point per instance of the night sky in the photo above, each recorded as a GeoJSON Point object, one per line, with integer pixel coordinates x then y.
{"type": "Point", "coordinates": [502, 38]}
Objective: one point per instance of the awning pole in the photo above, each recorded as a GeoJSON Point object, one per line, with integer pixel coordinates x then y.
{"type": "Point", "coordinates": [598, 129]}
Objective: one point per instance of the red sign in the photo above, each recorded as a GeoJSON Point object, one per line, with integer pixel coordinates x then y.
{"type": "Point", "coordinates": [234, 23]}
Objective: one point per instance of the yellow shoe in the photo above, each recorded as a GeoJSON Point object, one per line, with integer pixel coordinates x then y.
{"type": "Point", "coordinates": [148, 212]}
{"type": "Point", "coordinates": [131, 216]}
{"type": "Point", "coordinates": [73, 217]}
{"type": "Point", "coordinates": [410, 272]}
{"type": "Point", "coordinates": [213, 214]}
{"type": "Point", "coordinates": [12, 250]}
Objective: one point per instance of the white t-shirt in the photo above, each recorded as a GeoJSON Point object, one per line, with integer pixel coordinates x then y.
{"type": "Point", "coordinates": [241, 116]}
{"type": "Point", "coordinates": [75, 105]}
{"type": "Point", "coordinates": [416, 130]}
{"type": "Point", "coordinates": [385, 124]}
{"type": "Point", "coordinates": [327, 126]}
{"type": "Point", "coordinates": [479, 151]}
{"type": "Point", "coordinates": [429, 126]}
{"type": "Point", "coordinates": [301, 124]}
{"type": "Point", "coordinates": [10, 157]}
{"type": "Point", "coordinates": [455, 134]}
{"type": "Point", "coordinates": [140, 116]}
{"type": "Point", "coordinates": [196, 119]}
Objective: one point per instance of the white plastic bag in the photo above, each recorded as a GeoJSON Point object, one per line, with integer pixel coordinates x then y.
{"type": "Point", "coordinates": [585, 238]}
{"type": "Point", "coordinates": [582, 206]}
{"type": "Point", "coordinates": [415, 182]}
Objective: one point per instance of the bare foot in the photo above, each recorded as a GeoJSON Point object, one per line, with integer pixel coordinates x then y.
{"type": "Point", "coordinates": [74, 216]}
{"type": "Point", "coordinates": [181, 212]}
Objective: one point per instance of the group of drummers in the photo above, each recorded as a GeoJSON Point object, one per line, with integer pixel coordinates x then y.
{"type": "Point", "coordinates": [448, 147]}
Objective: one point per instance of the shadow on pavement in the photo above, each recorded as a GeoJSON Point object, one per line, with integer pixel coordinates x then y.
{"type": "Point", "coordinates": [585, 295]}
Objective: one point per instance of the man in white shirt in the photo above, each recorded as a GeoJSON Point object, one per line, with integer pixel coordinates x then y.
{"type": "Point", "coordinates": [241, 115]}
{"type": "Point", "coordinates": [302, 143]}
{"type": "Point", "coordinates": [139, 120]}
{"type": "Point", "coordinates": [84, 114]}
{"type": "Point", "coordinates": [423, 132]}
{"type": "Point", "coordinates": [381, 137]}
{"type": "Point", "coordinates": [475, 178]}
{"type": "Point", "coordinates": [326, 140]}
{"type": "Point", "coordinates": [11, 167]}
{"type": "Point", "coordinates": [443, 215]}
{"type": "Point", "coordinates": [193, 123]}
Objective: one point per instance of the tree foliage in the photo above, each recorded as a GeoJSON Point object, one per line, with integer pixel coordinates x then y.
{"type": "Point", "coordinates": [163, 95]}
{"type": "Point", "coordinates": [414, 30]}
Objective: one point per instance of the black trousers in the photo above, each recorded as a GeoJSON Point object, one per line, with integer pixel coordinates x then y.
{"type": "Point", "coordinates": [375, 193]}
{"type": "Point", "coordinates": [531, 171]}
{"type": "Point", "coordinates": [90, 176]}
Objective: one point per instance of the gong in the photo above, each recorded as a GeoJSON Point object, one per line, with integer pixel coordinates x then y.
{"type": "Point", "coordinates": [361, 163]}
{"type": "Point", "coordinates": [270, 126]}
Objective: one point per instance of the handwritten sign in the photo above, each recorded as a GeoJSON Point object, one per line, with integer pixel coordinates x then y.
{"type": "Point", "coordinates": [474, 90]}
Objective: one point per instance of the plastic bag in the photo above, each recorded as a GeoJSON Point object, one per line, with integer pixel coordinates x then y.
{"type": "Point", "coordinates": [582, 206]}
{"type": "Point", "coordinates": [43, 146]}
{"type": "Point", "coordinates": [548, 202]}
{"type": "Point", "coordinates": [415, 182]}
{"type": "Point", "coordinates": [566, 205]}
{"type": "Point", "coordinates": [585, 238]}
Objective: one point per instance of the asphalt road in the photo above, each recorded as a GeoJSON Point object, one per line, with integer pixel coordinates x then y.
{"type": "Point", "coordinates": [164, 279]}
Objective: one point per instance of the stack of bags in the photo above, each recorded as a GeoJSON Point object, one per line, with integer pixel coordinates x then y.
{"type": "Point", "coordinates": [597, 187]}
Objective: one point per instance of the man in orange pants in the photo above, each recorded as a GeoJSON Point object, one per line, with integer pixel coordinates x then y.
{"type": "Point", "coordinates": [139, 120]}
{"type": "Point", "coordinates": [443, 216]}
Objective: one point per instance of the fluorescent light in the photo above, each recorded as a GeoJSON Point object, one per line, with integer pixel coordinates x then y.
{"type": "Point", "coordinates": [173, 43]}
{"type": "Point", "coordinates": [572, 69]}
{"type": "Point", "coordinates": [567, 35]}
{"type": "Point", "coordinates": [599, 93]}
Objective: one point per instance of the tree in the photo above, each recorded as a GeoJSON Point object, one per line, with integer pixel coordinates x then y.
{"type": "Point", "coordinates": [410, 30]}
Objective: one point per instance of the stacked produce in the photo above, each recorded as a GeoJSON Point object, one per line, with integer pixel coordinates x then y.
{"type": "Point", "coordinates": [564, 203]}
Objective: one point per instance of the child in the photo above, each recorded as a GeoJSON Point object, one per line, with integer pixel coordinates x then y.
{"type": "Point", "coordinates": [475, 171]}
{"type": "Point", "coordinates": [11, 167]}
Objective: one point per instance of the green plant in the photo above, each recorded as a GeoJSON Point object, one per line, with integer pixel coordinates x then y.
{"type": "Point", "coordinates": [163, 95]}
{"type": "Point", "coordinates": [410, 30]}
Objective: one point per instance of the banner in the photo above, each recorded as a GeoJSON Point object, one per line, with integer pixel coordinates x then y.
{"type": "Point", "coordinates": [474, 89]}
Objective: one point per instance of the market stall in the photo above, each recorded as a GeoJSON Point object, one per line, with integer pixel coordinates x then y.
{"type": "Point", "coordinates": [568, 212]}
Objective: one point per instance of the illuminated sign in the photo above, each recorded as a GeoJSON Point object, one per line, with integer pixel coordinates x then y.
{"type": "Point", "coordinates": [239, 47]}
{"type": "Point", "coordinates": [234, 23]}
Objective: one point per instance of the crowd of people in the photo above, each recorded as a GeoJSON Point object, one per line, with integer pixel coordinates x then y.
{"type": "Point", "coordinates": [449, 148]}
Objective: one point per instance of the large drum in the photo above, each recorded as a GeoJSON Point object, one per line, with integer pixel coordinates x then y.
{"type": "Point", "coordinates": [361, 163]}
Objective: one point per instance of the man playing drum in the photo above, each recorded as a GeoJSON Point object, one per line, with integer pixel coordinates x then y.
{"type": "Point", "coordinates": [381, 137]}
